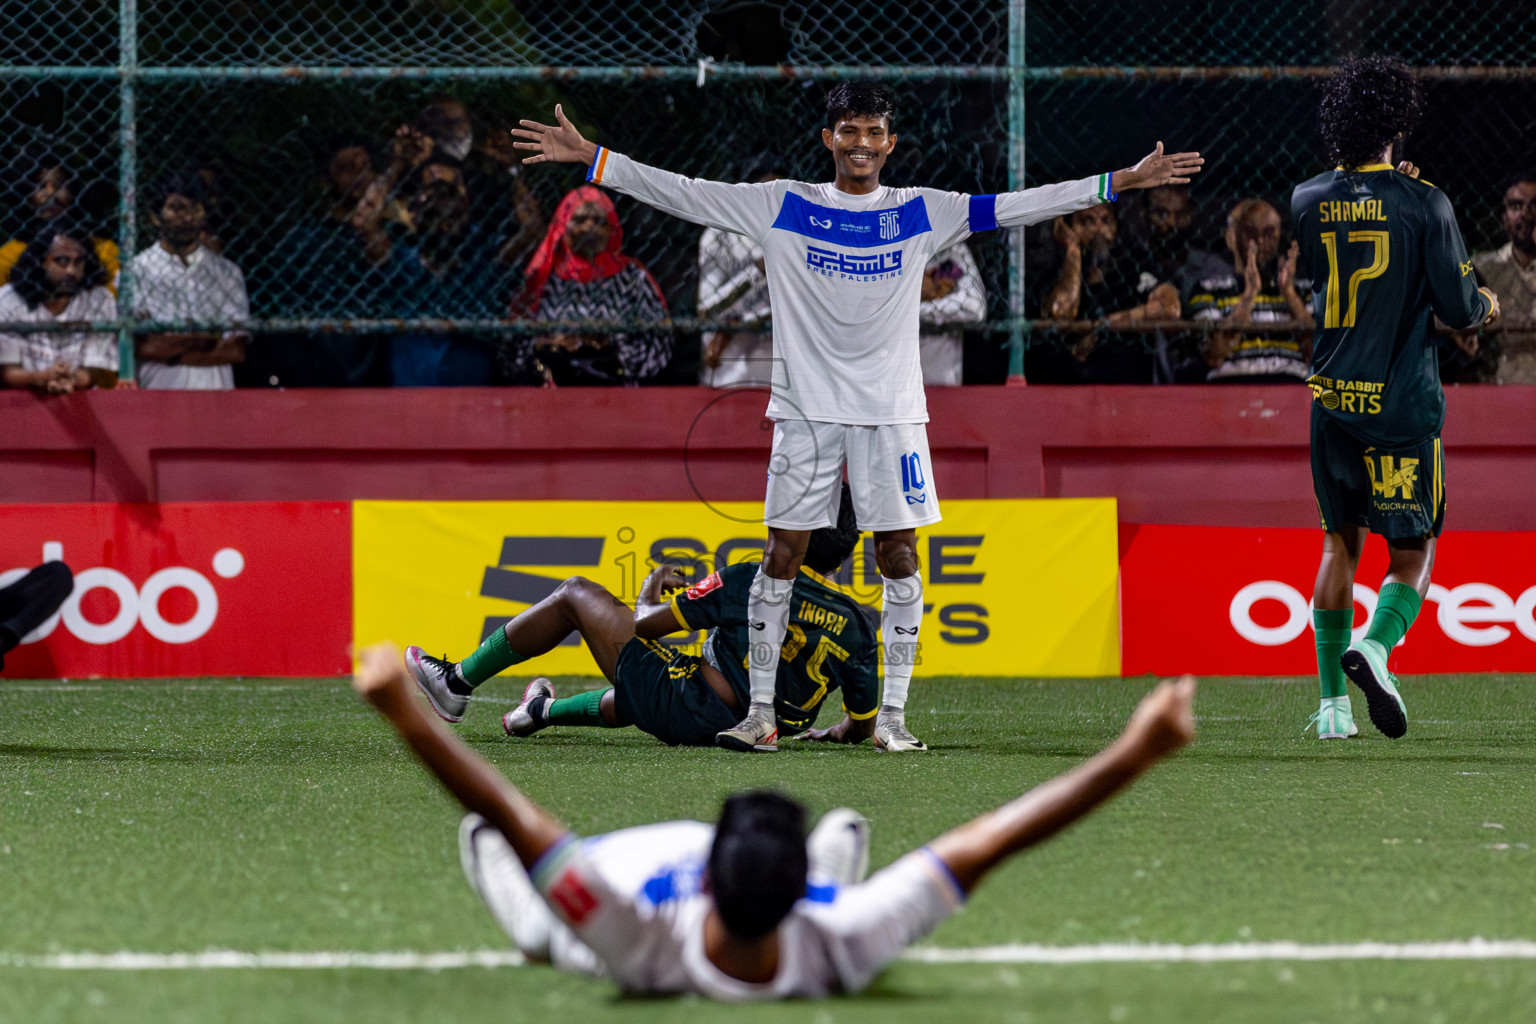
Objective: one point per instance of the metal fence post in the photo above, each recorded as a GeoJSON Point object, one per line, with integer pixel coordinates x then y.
{"type": "Point", "coordinates": [127, 182]}
{"type": "Point", "coordinates": [1016, 333]}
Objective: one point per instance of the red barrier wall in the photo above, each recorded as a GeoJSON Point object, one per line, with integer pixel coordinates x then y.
{"type": "Point", "coordinates": [1234, 456]}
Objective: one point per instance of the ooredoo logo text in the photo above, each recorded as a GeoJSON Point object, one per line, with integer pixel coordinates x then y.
{"type": "Point", "coordinates": [137, 604]}
{"type": "Point", "coordinates": [1471, 614]}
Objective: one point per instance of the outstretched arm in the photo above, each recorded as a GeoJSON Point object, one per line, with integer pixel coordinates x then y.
{"type": "Point", "coordinates": [1033, 205]}
{"type": "Point", "coordinates": [745, 209]}
{"type": "Point", "coordinates": [468, 776]}
{"type": "Point", "coordinates": [1161, 724]}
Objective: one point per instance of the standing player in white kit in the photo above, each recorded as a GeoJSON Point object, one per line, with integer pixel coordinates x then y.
{"type": "Point", "coordinates": [845, 269]}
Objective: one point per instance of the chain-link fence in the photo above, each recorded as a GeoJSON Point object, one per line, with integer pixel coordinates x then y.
{"type": "Point", "coordinates": [356, 252]}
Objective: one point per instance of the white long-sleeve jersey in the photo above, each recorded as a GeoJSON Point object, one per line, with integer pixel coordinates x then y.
{"type": "Point", "coordinates": [845, 273]}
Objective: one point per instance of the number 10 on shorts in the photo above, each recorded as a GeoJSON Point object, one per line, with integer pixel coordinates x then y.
{"type": "Point", "coordinates": [912, 482]}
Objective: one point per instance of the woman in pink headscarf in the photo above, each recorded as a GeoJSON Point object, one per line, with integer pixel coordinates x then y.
{"type": "Point", "coordinates": [579, 273]}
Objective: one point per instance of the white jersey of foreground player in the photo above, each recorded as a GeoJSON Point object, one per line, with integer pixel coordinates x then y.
{"type": "Point", "coordinates": [634, 898]}
{"type": "Point", "coordinates": [845, 273]}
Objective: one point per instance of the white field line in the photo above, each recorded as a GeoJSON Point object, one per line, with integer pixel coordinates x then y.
{"type": "Point", "coordinates": [1205, 953]}
{"type": "Point", "coordinates": [1465, 949]}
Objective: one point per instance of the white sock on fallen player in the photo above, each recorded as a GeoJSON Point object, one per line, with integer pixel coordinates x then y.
{"type": "Point", "coordinates": [767, 621]}
{"type": "Point", "coordinates": [901, 617]}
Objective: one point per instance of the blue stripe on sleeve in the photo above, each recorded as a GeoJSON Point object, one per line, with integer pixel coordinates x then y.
{"type": "Point", "coordinates": [592, 169]}
{"type": "Point", "coordinates": [983, 215]}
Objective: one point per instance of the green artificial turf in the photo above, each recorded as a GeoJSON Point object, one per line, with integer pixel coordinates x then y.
{"type": "Point", "coordinates": [259, 815]}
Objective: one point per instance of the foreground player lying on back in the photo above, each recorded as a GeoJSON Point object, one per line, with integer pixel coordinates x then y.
{"type": "Point", "coordinates": [746, 927]}
{"type": "Point", "coordinates": [844, 261]}
{"type": "Point", "coordinates": [676, 697]}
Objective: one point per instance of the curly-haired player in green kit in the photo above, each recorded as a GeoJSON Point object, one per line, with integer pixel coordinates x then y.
{"type": "Point", "coordinates": [1386, 257]}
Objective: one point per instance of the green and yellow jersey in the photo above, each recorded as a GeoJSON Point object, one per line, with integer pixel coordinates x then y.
{"type": "Point", "coordinates": [829, 644]}
{"type": "Point", "coordinates": [1386, 257]}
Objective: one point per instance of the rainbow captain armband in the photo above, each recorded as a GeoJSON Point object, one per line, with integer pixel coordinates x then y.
{"type": "Point", "coordinates": [1105, 195]}
{"type": "Point", "coordinates": [599, 162]}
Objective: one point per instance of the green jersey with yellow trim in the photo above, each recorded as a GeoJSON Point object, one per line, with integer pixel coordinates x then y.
{"type": "Point", "coordinates": [1386, 257]}
{"type": "Point", "coordinates": [829, 643]}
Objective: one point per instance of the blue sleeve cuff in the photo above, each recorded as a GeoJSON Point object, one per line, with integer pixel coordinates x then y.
{"type": "Point", "coordinates": [595, 171]}
{"type": "Point", "coordinates": [983, 213]}
{"type": "Point", "coordinates": [1104, 193]}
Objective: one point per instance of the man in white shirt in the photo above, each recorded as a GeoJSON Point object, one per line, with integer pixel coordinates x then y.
{"type": "Point", "coordinates": [733, 288]}
{"type": "Point", "coordinates": [953, 297]}
{"type": "Point", "coordinates": [842, 262]}
{"type": "Point", "coordinates": [180, 278]}
{"type": "Point", "coordinates": [733, 911]}
{"type": "Point", "coordinates": [58, 279]}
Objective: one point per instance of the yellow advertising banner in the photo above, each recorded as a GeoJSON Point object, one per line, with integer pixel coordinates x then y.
{"type": "Point", "coordinates": [1011, 587]}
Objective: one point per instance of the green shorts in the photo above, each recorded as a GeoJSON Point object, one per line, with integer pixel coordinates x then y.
{"type": "Point", "coordinates": [659, 690]}
{"type": "Point", "coordinates": [1396, 492]}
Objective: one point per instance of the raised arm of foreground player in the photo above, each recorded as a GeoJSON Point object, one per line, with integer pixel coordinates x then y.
{"type": "Point", "coordinates": [1453, 290]}
{"type": "Point", "coordinates": [1161, 724]}
{"type": "Point", "coordinates": [1033, 205]}
{"type": "Point", "coordinates": [472, 780]}
{"type": "Point", "coordinates": [745, 209]}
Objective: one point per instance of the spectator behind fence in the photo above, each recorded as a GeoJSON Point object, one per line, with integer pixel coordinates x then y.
{"type": "Point", "coordinates": [1509, 271]}
{"type": "Point", "coordinates": [439, 264]}
{"type": "Point", "coordinates": [1265, 292]}
{"type": "Point", "coordinates": [734, 289]}
{"type": "Point", "coordinates": [579, 272]}
{"type": "Point", "coordinates": [1162, 238]}
{"type": "Point", "coordinates": [47, 191]}
{"type": "Point", "coordinates": [58, 278]}
{"type": "Point", "coordinates": [181, 278]}
{"type": "Point", "coordinates": [320, 269]}
{"type": "Point", "coordinates": [952, 297]}
{"type": "Point", "coordinates": [492, 176]}
{"type": "Point", "coordinates": [1099, 280]}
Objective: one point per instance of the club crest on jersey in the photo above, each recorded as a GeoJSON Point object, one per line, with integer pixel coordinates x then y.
{"type": "Point", "coordinates": [704, 586]}
{"type": "Point", "coordinates": [874, 267]}
{"type": "Point", "coordinates": [890, 224]}
{"type": "Point", "coordinates": [913, 484]}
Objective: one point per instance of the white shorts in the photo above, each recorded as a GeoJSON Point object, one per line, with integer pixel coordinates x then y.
{"type": "Point", "coordinates": [888, 472]}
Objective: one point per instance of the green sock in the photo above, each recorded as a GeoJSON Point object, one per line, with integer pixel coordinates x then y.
{"type": "Point", "coordinates": [583, 709]}
{"type": "Point", "coordinates": [1331, 629]}
{"type": "Point", "coordinates": [495, 654]}
{"type": "Point", "coordinates": [1396, 608]}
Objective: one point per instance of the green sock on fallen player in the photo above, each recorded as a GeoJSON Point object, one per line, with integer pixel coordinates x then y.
{"type": "Point", "coordinates": [494, 655]}
{"type": "Point", "coordinates": [1396, 607]}
{"type": "Point", "coordinates": [1330, 628]}
{"type": "Point", "coordinates": [583, 709]}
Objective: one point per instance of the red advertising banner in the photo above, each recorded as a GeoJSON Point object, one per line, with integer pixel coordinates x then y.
{"type": "Point", "coordinates": [194, 589]}
{"type": "Point", "coordinates": [1236, 602]}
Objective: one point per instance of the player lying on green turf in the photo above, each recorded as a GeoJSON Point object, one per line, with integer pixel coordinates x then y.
{"type": "Point", "coordinates": [1386, 258]}
{"type": "Point", "coordinates": [676, 697]}
{"type": "Point", "coordinates": [726, 911]}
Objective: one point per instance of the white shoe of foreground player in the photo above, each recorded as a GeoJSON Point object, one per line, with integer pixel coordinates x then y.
{"type": "Point", "coordinates": [838, 848]}
{"type": "Point", "coordinates": [431, 675]}
{"type": "Point", "coordinates": [893, 736]}
{"type": "Point", "coordinates": [501, 882]}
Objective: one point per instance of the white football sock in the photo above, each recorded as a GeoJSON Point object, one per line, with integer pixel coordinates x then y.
{"type": "Point", "coordinates": [767, 620]}
{"type": "Point", "coordinates": [902, 615]}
